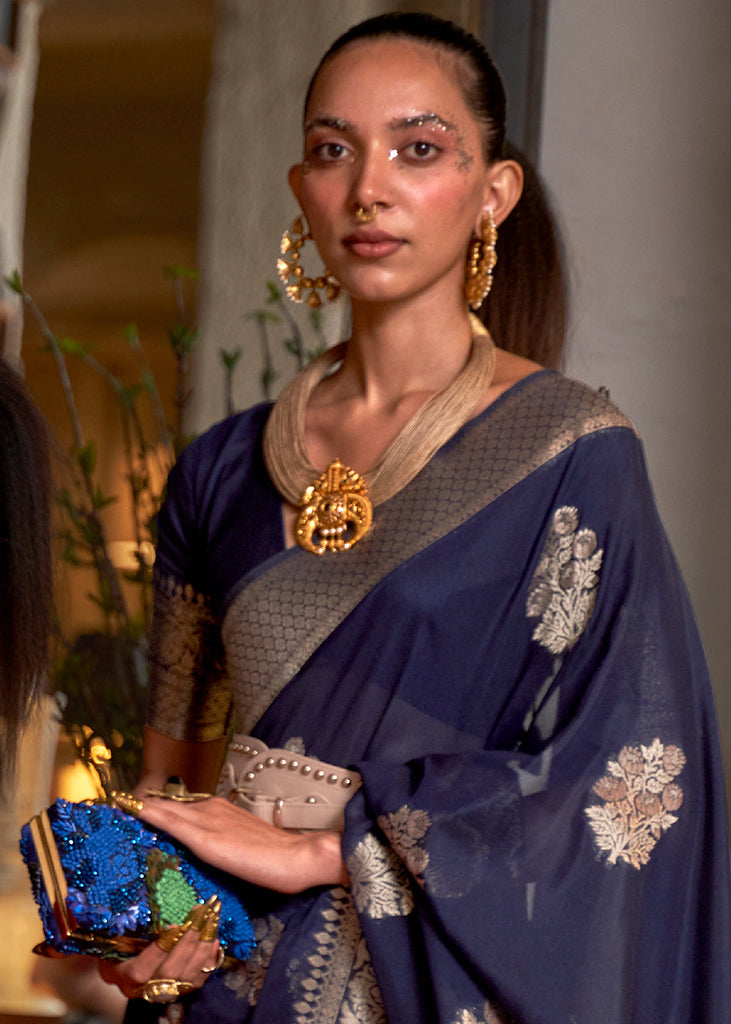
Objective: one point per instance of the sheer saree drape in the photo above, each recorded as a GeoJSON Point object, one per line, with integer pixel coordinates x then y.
{"type": "Point", "coordinates": [510, 661]}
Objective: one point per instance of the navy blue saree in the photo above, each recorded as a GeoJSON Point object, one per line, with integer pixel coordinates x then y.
{"type": "Point", "coordinates": [510, 661]}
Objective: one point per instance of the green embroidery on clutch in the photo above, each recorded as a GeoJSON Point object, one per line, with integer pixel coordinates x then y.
{"type": "Point", "coordinates": [171, 896]}
{"type": "Point", "coordinates": [175, 897]}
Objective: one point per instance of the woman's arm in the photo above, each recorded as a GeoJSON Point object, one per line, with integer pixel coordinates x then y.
{"type": "Point", "coordinates": [197, 763]}
{"type": "Point", "coordinates": [236, 841]}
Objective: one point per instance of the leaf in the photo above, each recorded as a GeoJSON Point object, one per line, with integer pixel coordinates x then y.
{"type": "Point", "coordinates": [132, 334]}
{"type": "Point", "coordinates": [274, 293]}
{"type": "Point", "coordinates": [128, 395]}
{"type": "Point", "coordinates": [101, 500]}
{"type": "Point", "coordinates": [14, 282]}
{"type": "Point", "coordinates": [230, 359]}
{"type": "Point", "coordinates": [182, 338]}
{"type": "Point", "coordinates": [176, 272]}
{"type": "Point", "coordinates": [86, 457]}
{"type": "Point", "coordinates": [71, 347]}
{"type": "Point", "coordinates": [90, 533]}
{"type": "Point", "coordinates": [69, 555]}
{"type": "Point", "coordinates": [291, 346]}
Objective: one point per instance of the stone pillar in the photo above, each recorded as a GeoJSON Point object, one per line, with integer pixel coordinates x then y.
{"type": "Point", "coordinates": [16, 114]}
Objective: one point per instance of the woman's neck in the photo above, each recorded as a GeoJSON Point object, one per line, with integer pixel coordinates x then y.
{"type": "Point", "coordinates": [399, 350]}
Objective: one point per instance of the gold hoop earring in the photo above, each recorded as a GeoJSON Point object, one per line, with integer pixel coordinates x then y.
{"type": "Point", "coordinates": [481, 262]}
{"type": "Point", "coordinates": [365, 214]}
{"type": "Point", "coordinates": [292, 241]}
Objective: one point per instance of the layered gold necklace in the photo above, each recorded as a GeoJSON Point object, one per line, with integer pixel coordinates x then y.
{"type": "Point", "coordinates": [335, 508]}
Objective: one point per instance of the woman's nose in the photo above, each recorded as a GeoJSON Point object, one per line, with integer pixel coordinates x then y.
{"type": "Point", "coordinates": [373, 184]}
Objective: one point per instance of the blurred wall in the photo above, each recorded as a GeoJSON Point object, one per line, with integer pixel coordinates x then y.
{"type": "Point", "coordinates": [636, 150]}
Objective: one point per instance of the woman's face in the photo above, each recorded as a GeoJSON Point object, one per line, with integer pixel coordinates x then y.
{"type": "Point", "coordinates": [387, 125]}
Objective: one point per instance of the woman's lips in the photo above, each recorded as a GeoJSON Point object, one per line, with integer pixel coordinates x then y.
{"type": "Point", "coordinates": [372, 243]}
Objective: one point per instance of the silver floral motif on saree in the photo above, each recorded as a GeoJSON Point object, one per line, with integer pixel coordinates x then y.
{"type": "Point", "coordinates": [639, 797]}
{"type": "Point", "coordinates": [563, 589]}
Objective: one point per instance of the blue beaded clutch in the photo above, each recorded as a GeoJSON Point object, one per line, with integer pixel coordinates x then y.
{"type": "Point", "coordinates": [106, 884]}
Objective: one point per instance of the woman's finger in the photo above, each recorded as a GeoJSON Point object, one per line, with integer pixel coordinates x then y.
{"type": "Point", "coordinates": [187, 960]}
{"type": "Point", "coordinates": [185, 952]}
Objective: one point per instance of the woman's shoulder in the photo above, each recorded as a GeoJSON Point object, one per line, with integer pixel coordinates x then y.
{"type": "Point", "coordinates": [226, 439]}
{"type": "Point", "coordinates": [556, 403]}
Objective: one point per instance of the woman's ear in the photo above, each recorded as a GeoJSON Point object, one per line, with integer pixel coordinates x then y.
{"type": "Point", "coordinates": [503, 189]}
{"type": "Point", "coordinates": [295, 181]}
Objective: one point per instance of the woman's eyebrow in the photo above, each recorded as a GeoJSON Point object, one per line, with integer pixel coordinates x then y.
{"type": "Point", "coordinates": [412, 121]}
{"type": "Point", "coordinates": [336, 123]}
{"type": "Point", "coordinates": [417, 120]}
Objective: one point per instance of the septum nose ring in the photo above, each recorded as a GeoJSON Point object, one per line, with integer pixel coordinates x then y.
{"type": "Point", "coordinates": [365, 214]}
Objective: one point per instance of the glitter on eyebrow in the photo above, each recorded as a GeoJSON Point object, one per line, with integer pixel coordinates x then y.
{"type": "Point", "coordinates": [335, 123]}
{"type": "Point", "coordinates": [419, 120]}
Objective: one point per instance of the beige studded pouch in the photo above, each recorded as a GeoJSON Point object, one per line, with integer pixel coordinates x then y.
{"type": "Point", "coordinates": [287, 790]}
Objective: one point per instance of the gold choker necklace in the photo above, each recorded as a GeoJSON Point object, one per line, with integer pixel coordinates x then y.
{"type": "Point", "coordinates": [336, 507]}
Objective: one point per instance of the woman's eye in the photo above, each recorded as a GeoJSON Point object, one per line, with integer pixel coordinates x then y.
{"type": "Point", "coordinates": [329, 151]}
{"type": "Point", "coordinates": [422, 150]}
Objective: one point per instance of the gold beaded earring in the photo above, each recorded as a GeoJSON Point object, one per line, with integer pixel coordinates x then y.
{"type": "Point", "coordinates": [292, 242]}
{"type": "Point", "coordinates": [481, 262]}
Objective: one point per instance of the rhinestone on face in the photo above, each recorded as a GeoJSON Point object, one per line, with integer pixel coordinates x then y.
{"type": "Point", "coordinates": [293, 765]}
{"type": "Point", "coordinates": [319, 774]}
{"type": "Point", "coordinates": [282, 762]}
{"type": "Point", "coordinates": [250, 776]}
{"type": "Point", "coordinates": [270, 762]}
{"type": "Point", "coordinates": [259, 767]}
{"type": "Point", "coordinates": [306, 769]}
{"type": "Point", "coordinates": [332, 779]}
{"type": "Point", "coordinates": [347, 781]}
{"type": "Point", "coordinates": [310, 800]}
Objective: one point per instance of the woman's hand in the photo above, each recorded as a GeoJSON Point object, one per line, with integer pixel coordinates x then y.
{"type": "Point", "coordinates": [236, 841]}
{"type": "Point", "coordinates": [190, 961]}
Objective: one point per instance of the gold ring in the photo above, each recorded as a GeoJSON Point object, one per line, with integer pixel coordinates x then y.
{"type": "Point", "coordinates": [128, 803]}
{"type": "Point", "coordinates": [168, 940]}
{"type": "Point", "coordinates": [219, 960]}
{"type": "Point", "coordinates": [165, 990]}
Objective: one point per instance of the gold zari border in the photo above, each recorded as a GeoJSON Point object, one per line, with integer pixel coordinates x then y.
{"type": "Point", "coordinates": [282, 616]}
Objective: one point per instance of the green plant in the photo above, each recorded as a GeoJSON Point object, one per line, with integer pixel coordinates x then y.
{"type": "Point", "coordinates": [294, 342]}
{"type": "Point", "coordinates": [103, 675]}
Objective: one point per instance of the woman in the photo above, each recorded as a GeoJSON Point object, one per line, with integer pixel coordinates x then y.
{"type": "Point", "coordinates": [494, 635]}
{"type": "Point", "coordinates": [25, 563]}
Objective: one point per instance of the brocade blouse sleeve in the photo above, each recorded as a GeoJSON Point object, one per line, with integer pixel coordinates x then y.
{"type": "Point", "coordinates": [190, 694]}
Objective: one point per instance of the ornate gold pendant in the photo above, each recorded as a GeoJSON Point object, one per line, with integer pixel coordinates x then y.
{"type": "Point", "coordinates": [335, 511]}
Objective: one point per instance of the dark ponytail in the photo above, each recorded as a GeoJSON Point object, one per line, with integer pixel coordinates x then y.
{"type": "Point", "coordinates": [25, 562]}
{"type": "Point", "coordinates": [526, 311]}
